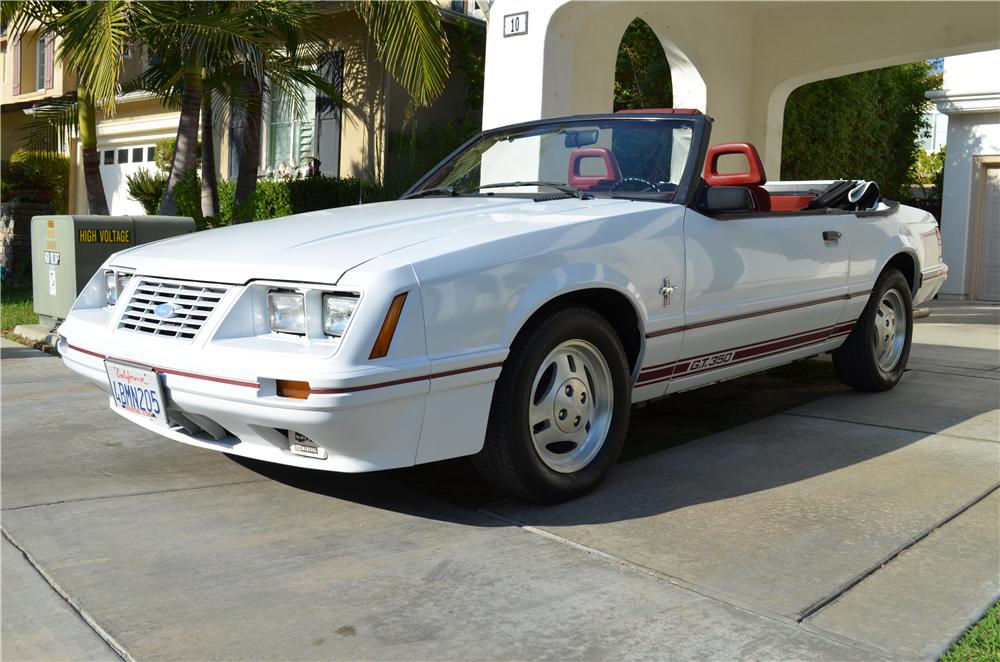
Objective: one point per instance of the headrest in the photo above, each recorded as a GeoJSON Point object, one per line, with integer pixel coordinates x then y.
{"type": "Point", "coordinates": [576, 179]}
{"type": "Point", "coordinates": [755, 177]}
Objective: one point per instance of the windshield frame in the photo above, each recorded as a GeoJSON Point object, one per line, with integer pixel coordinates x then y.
{"type": "Point", "coordinates": [687, 188]}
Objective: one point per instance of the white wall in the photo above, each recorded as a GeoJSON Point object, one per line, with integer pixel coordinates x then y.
{"type": "Point", "coordinates": [973, 72]}
{"type": "Point", "coordinates": [969, 135]}
{"type": "Point", "coordinates": [971, 99]}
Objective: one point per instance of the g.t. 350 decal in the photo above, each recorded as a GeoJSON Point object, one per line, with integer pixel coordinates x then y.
{"type": "Point", "coordinates": [709, 361]}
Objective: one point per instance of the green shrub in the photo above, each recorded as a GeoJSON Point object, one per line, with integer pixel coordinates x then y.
{"type": "Point", "coordinates": [163, 154]}
{"type": "Point", "coordinates": [36, 177]}
{"type": "Point", "coordinates": [187, 196]}
{"type": "Point", "coordinates": [146, 188]}
{"type": "Point", "coordinates": [927, 173]}
{"type": "Point", "coordinates": [284, 197]}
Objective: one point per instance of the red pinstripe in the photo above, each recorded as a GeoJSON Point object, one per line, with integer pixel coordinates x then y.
{"type": "Point", "coordinates": [743, 353]}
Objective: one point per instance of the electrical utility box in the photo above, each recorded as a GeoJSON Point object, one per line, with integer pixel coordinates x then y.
{"type": "Point", "coordinates": [66, 251]}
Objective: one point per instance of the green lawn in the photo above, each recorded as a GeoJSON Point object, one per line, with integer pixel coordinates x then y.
{"type": "Point", "coordinates": [981, 643]}
{"type": "Point", "coordinates": [15, 305]}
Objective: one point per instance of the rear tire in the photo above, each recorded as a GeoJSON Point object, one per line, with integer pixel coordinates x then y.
{"type": "Point", "coordinates": [873, 358]}
{"type": "Point", "coordinates": [560, 409]}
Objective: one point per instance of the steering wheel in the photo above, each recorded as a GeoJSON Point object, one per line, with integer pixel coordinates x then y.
{"type": "Point", "coordinates": [648, 185]}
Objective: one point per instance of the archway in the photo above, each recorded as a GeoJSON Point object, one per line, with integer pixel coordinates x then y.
{"type": "Point", "coordinates": [642, 70]}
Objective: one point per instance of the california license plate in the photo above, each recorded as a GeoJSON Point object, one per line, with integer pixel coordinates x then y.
{"type": "Point", "coordinates": [137, 391]}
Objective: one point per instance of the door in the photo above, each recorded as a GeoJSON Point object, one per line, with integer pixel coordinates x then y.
{"type": "Point", "coordinates": [760, 285]}
{"type": "Point", "coordinates": [988, 243]}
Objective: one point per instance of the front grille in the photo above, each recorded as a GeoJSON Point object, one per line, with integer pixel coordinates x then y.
{"type": "Point", "coordinates": [193, 304]}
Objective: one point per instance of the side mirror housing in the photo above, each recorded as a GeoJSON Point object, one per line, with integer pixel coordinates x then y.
{"type": "Point", "coordinates": [727, 199]}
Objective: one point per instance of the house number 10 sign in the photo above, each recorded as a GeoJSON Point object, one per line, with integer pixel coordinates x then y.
{"type": "Point", "coordinates": [515, 24]}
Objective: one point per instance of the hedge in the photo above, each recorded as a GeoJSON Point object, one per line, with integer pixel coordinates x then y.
{"type": "Point", "coordinates": [863, 126]}
{"type": "Point", "coordinates": [272, 199]}
{"type": "Point", "coordinates": [276, 198]}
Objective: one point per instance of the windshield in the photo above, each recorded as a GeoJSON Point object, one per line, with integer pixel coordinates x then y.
{"type": "Point", "coordinates": [628, 158]}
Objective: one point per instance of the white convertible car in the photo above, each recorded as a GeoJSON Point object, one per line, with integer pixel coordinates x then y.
{"type": "Point", "coordinates": [512, 306]}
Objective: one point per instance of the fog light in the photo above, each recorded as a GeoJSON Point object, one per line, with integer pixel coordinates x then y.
{"type": "Point", "coordinates": [300, 444]}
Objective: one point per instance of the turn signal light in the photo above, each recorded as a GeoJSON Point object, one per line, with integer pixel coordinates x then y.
{"type": "Point", "coordinates": [388, 330]}
{"type": "Point", "coordinates": [290, 389]}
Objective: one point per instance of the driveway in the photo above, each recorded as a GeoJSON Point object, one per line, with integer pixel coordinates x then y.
{"type": "Point", "coordinates": [854, 526]}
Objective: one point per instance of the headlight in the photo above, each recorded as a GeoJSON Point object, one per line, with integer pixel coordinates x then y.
{"type": "Point", "coordinates": [287, 312]}
{"type": "Point", "coordinates": [115, 282]}
{"type": "Point", "coordinates": [337, 311]}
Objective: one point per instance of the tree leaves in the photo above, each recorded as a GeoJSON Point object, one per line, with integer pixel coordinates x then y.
{"type": "Point", "coordinates": [642, 73]}
{"type": "Point", "coordinates": [410, 41]}
{"type": "Point", "coordinates": [862, 126]}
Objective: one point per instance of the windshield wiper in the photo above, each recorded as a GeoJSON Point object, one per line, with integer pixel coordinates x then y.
{"type": "Point", "coordinates": [565, 188]}
{"type": "Point", "coordinates": [437, 190]}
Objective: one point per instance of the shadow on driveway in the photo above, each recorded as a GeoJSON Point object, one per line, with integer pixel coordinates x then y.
{"type": "Point", "coordinates": [760, 452]}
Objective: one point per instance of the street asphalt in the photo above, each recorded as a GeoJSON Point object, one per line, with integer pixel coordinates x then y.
{"type": "Point", "coordinates": [858, 526]}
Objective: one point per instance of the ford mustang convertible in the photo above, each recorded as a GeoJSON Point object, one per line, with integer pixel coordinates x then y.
{"type": "Point", "coordinates": [512, 306]}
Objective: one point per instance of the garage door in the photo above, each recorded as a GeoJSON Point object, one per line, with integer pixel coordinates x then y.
{"type": "Point", "coordinates": [117, 163]}
{"type": "Point", "coordinates": [988, 269]}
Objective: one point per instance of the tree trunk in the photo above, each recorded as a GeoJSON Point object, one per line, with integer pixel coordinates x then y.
{"type": "Point", "coordinates": [209, 176]}
{"type": "Point", "coordinates": [186, 151]}
{"type": "Point", "coordinates": [246, 178]}
{"type": "Point", "coordinates": [97, 202]}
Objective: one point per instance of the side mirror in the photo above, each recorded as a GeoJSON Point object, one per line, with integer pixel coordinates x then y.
{"type": "Point", "coordinates": [727, 199]}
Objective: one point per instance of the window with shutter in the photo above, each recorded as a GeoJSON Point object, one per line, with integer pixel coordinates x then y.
{"type": "Point", "coordinates": [50, 61]}
{"type": "Point", "coordinates": [40, 65]}
{"type": "Point", "coordinates": [290, 132]}
{"type": "Point", "coordinates": [326, 128]}
{"type": "Point", "coordinates": [16, 57]}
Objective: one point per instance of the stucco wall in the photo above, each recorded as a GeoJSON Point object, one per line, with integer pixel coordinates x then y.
{"type": "Point", "coordinates": [969, 135]}
{"type": "Point", "coordinates": [971, 99]}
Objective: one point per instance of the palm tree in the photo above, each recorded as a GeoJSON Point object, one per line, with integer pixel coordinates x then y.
{"type": "Point", "coordinates": [279, 38]}
{"type": "Point", "coordinates": [409, 41]}
{"type": "Point", "coordinates": [97, 57]}
{"type": "Point", "coordinates": [271, 42]}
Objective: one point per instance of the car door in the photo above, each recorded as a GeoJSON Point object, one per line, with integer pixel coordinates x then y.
{"type": "Point", "coordinates": [756, 286]}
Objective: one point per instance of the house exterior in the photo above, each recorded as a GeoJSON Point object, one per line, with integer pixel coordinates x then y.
{"type": "Point", "coordinates": [347, 141]}
{"type": "Point", "coordinates": [970, 213]}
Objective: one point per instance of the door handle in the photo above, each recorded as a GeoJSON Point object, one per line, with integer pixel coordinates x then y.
{"type": "Point", "coordinates": [831, 235]}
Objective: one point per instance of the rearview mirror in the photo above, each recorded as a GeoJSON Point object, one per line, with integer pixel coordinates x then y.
{"type": "Point", "coordinates": [727, 199]}
{"type": "Point", "coordinates": [581, 138]}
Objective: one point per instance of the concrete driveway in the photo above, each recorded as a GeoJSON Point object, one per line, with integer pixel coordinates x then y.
{"type": "Point", "coordinates": [856, 526]}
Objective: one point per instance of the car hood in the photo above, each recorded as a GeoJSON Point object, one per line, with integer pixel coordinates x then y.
{"type": "Point", "coordinates": [320, 246]}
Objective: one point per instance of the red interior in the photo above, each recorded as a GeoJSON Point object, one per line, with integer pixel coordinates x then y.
{"type": "Point", "coordinates": [672, 111]}
{"type": "Point", "coordinates": [754, 179]}
{"type": "Point", "coordinates": [790, 202]}
{"type": "Point", "coordinates": [576, 157]}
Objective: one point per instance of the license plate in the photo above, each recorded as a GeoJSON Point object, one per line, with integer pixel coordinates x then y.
{"type": "Point", "coordinates": [137, 390]}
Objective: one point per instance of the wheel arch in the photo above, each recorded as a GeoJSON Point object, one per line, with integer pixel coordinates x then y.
{"type": "Point", "coordinates": [906, 263]}
{"type": "Point", "coordinates": [619, 306]}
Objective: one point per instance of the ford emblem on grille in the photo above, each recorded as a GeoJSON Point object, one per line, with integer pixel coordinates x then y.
{"type": "Point", "coordinates": [165, 310]}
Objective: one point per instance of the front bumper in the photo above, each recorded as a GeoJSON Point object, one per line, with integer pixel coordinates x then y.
{"type": "Point", "coordinates": [364, 421]}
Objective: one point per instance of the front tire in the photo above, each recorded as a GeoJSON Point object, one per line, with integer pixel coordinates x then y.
{"type": "Point", "coordinates": [560, 409]}
{"type": "Point", "coordinates": [873, 358]}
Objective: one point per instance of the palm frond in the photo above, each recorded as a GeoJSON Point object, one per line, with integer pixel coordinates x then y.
{"type": "Point", "coordinates": [95, 36]}
{"type": "Point", "coordinates": [411, 43]}
{"type": "Point", "coordinates": [52, 124]}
